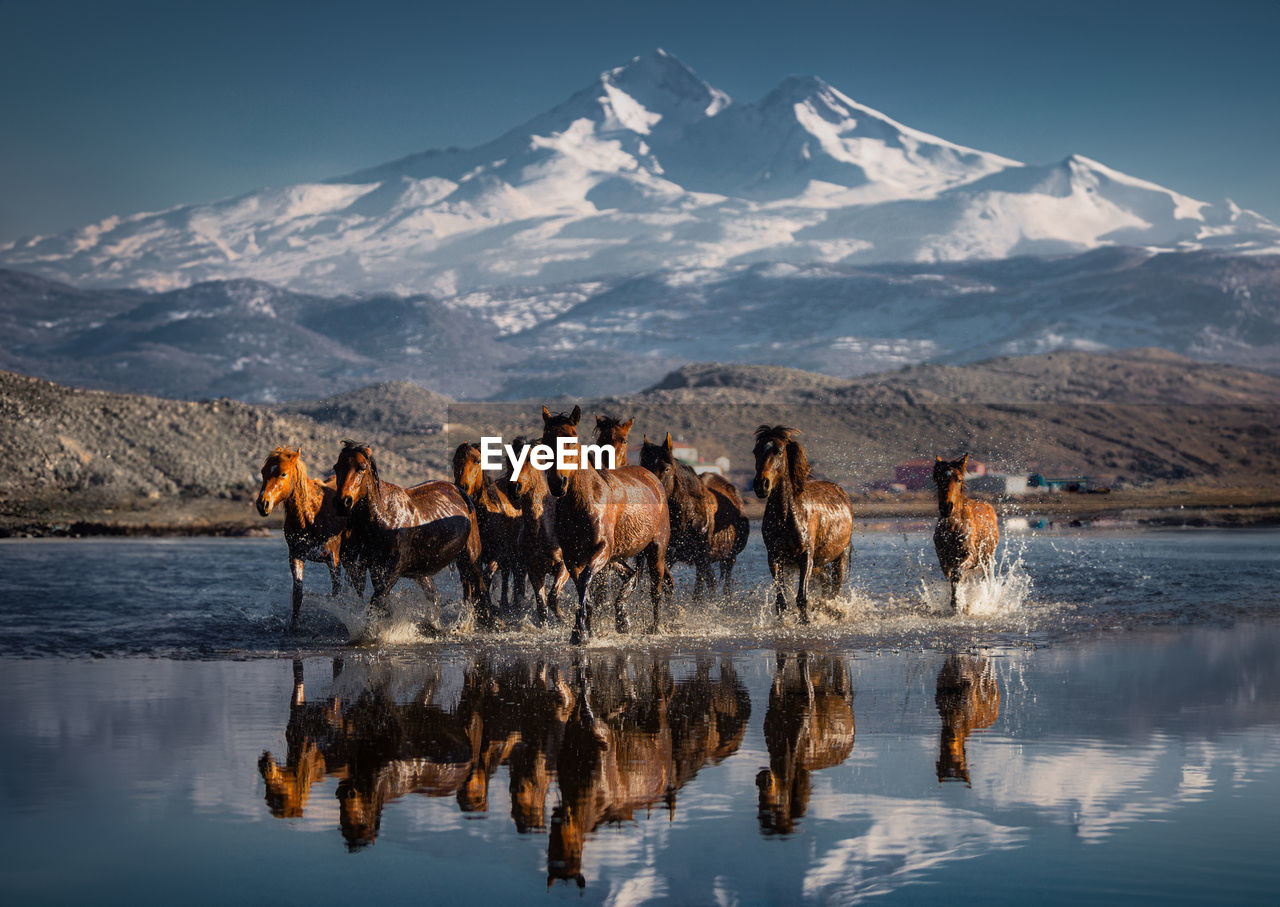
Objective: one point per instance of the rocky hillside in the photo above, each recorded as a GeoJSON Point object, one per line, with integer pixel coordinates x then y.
{"type": "Point", "coordinates": [1145, 416]}
{"type": "Point", "coordinates": [77, 453]}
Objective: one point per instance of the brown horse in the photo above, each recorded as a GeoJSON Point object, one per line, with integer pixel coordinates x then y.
{"type": "Point", "coordinates": [313, 528]}
{"type": "Point", "coordinates": [968, 699]}
{"type": "Point", "coordinates": [809, 726]}
{"type": "Point", "coordinates": [707, 522]}
{"type": "Point", "coordinates": [536, 544]}
{"type": "Point", "coordinates": [497, 516]}
{"type": "Point", "coordinates": [967, 532]}
{"type": "Point", "coordinates": [604, 516]}
{"type": "Point", "coordinates": [614, 433]}
{"type": "Point", "coordinates": [408, 532]}
{"type": "Point", "coordinates": [807, 523]}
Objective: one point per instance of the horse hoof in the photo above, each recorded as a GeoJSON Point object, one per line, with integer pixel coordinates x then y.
{"type": "Point", "coordinates": [575, 638]}
{"type": "Point", "coordinates": [623, 625]}
{"type": "Point", "coordinates": [652, 629]}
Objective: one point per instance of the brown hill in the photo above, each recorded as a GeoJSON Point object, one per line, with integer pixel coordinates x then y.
{"type": "Point", "coordinates": [1146, 416]}
{"type": "Point", "coordinates": [80, 454]}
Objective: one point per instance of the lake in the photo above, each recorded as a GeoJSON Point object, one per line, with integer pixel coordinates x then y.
{"type": "Point", "coordinates": [1103, 724]}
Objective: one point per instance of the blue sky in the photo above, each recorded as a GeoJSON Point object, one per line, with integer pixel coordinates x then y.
{"type": "Point", "coordinates": [116, 107]}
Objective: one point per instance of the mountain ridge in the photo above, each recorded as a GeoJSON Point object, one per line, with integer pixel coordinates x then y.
{"type": "Point", "coordinates": [646, 168]}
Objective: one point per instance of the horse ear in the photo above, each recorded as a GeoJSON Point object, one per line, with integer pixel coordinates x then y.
{"type": "Point", "coordinates": [667, 443]}
{"type": "Point", "coordinates": [964, 463]}
{"type": "Point", "coordinates": [576, 414]}
{"type": "Point", "coordinates": [626, 426]}
{"type": "Point", "coordinates": [546, 413]}
{"type": "Point", "coordinates": [938, 458]}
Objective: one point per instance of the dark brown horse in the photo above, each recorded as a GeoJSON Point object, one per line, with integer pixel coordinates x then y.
{"type": "Point", "coordinates": [536, 544]}
{"type": "Point", "coordinates": [707, 521]}
{"type": "Point", "coordinates": [809, 726]}
{"type": "Point", "coordinates": [497, 516]}
{"type": "Point", "coordinates": [967, 532]}
{"type": "Point", "coordinates": [807, 523]}
{"type": "Point", "coordinates": [313, 528]}
{"type": "Point", "coordinates": [408, 532]}
{"type": "Point", "coordinates": [604, 516]}
{"type": "Point", "coordinates": [968, 699]}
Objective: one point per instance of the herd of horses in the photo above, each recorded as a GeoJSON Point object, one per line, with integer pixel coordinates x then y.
{"type": "Point", "coordinates": [596, 527]}
{"type": "Point", "coordinates": [618, 735]}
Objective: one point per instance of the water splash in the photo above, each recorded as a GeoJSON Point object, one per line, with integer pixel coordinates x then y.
{"type": "Point", "coordinates": [1002, 589]}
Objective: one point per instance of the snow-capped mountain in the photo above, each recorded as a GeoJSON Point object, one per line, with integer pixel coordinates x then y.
{"type": "Point", "coordinates": [648, 168]}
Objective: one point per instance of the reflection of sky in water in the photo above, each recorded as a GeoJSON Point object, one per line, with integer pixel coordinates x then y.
{"type": "Point", "coordinates": [1124, 740]}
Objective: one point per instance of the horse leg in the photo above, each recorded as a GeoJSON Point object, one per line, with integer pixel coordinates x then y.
{"type": "Point", "coordinates": [840, 571]}
{"type": "Point", "coordinates": [779, 574]}
{"type": "Point", "coordinates": [581, 621]}
{"type": "Point", "coordinates": [620, 621]}
{"type": "Point", "coordinates": [657, 559]}
{"type": "Point", "coordinates": [382, 581]}
{"type": "Point", "coordinates": [553, 597]}
{"type": "Point", "coordinates": [504, 601]}
{"type": "Point", "coordinates": [428, 587]}
{"type": "Point", "coordinates": [295, 567]}
{"type": "Point", "coordinates": [726, 577]}
{"type": "Point", "coordinates": [476, 589]}
{"type": "Point", "coordinates": [356, 575]}
{"type": "Point", "coordinates": [335, 572]}
{"type": "Point", "coordinates": [802, 590]}
{"type": "Point", "coordinates": [539, 597]}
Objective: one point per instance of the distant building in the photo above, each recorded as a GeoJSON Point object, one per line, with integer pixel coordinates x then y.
{"type": "Point", "coordinates": [998, 484]}
{"type": "Point", "coordinates": [1065, 483]}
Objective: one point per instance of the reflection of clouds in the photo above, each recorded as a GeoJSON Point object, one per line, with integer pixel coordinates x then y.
{"type": "Point", "coordinates": [628, 856]}
{"type": "Point", "coordinates": [1099, 788]}
{"type": "Point", "coordinates": [906, 839]}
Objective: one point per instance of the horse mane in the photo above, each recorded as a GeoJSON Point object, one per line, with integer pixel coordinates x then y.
{"type": "Point", "coordinates": [798, 464]}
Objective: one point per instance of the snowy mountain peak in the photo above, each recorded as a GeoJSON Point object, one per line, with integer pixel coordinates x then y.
{"type": "Point", "coordinates": [663, 84]}
{"type": "Point", "coordinates": [648, 167]}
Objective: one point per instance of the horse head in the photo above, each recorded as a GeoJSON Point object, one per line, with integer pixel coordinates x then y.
{"type": "Point", "coordinates": [614, 433]}
{"type": "Point", "coordinates": [466, 468]}
{"type": "Point", "coordinates": [947, 472]}
{"type": "Point", "coordinates": [660, 460]}
{"type": "Point", "coordinates": [778, 456]}
{"type": "Point", "coordinates": [354, 467]}
{"type": "Point", "coordinates": [279, 473]}
{"type": "Point", "coordinates": [555, 425]}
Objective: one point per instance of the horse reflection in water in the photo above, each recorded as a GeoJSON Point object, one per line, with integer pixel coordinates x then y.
{"type": "Point", "coordinates": [968, 699]}
{"type": "Point", "coordinates": [382, 747]}
{"type": "Point", "coordinates": [618, 738]}
{"type": "Point", "coordinates": [809, 726]}
{"type": "Point", "coordinates": [633, 739]}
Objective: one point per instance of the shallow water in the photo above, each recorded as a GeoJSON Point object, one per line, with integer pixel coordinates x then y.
{"type": "Point", "coordinates": [1103, 725]}
{"type": "Point", "coordinates": [229, 597]}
